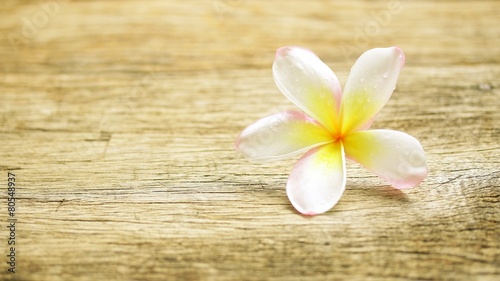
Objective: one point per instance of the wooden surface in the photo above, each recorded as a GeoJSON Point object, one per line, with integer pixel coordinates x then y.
{"type": "Point", "coordinates": [118, 120]}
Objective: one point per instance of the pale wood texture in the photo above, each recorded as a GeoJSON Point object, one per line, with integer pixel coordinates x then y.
{"type": "Point", "coordinates": [118, 119]}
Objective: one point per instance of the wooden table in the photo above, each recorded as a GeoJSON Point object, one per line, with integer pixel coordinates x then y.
{"type": "Point", "coordinates": [118, 121]}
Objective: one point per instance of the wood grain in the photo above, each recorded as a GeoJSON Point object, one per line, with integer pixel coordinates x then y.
{"type": "Point", "coordinates": [118, 119]}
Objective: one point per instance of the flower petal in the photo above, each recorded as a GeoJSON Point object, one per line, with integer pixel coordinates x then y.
{"type": "Point", "coordinates": [318, 179]}
{"type": "Point", "coordinates": [281, 135]}
{"type": "Point", "coordinates": [369, 86]}
{"type": "Point", "coordinates": [309, 83]}
{"type": "Point", "coordinates": [394, 156]}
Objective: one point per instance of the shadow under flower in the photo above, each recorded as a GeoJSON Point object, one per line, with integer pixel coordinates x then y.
{"type": "Point", "coordinates": [368, 196]}
{"type": "Point", "coordinates": [383, 192]}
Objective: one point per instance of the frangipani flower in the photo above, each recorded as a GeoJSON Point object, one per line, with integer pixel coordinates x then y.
{"type": "Point", "coordinates": [333, 125]}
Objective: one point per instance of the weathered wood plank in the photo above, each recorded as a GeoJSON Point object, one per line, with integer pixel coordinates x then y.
{"type": "Point", "coordinates": [118, 120]}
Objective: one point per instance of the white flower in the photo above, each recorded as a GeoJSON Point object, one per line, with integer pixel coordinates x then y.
{"type": "Point", "coordinates": [333, 125]}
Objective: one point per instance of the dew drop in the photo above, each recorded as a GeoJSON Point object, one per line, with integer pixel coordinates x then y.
{"type": "Point", "coordinates": [384, 75]}
{"type": "Point", "coordinates": [484, 86]}
{"type": "Point", "coordinates": [362, 79]}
